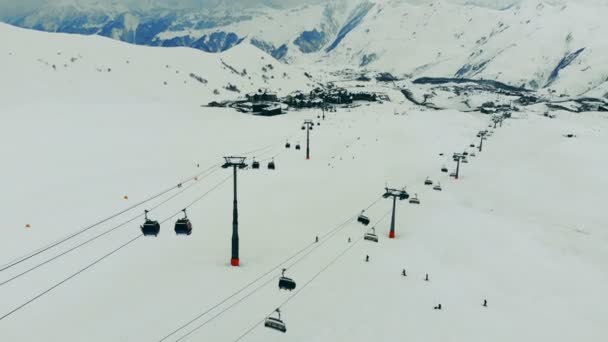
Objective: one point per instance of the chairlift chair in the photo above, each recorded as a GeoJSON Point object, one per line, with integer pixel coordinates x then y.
{"type": "Point", "coordinates": [465, 160]}
{"type": "Point", "coordinates": [428, 181]}
{"type": "Point", "coordinates": [473, 154]}
{"type": "Point", "coordinates": [286, 283]}
{"type": "Point", "coordinates": [444, 169]}
{"type": "Point", "coordinates": [472, 145]}
{"type": "Point", "coordinates": [371, 236]}
{"type": "Point", "coordinates": [298, 146]}
{"type": "Point", "coordinates": [183, 226]}
{"type": "Point", "coordinates": [318, 123]}
{"type": "Point", "coordinates": [150, 227]}
{"type": "Point", "coordinates": [415, 200]}
{"type": "Point", "coordinates": [303, 128]}
{"type": "Point", "coordinates": [453, 174]}
{"type": "Point", "coordinates": [275, 323]}
{"type": "Point", "coordinates": [271, 165]}
{"type": "Point", "coordinates": [287, 145]}
{"type": "Point", "coordinates": [437, 187]}
{"type": "Point", "coordinates": [363, 218]}
{"type": "Point", "coordinates": [403, 195]}
{"type": "Point", "coordinates": [255, 165]}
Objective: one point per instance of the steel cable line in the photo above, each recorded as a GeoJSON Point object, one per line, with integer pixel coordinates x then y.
{"type": "Point", "coordinates": [259, 149]}
{"type": "Point", "coordinates": [70, 277]}
{"type": "Point", "coordinates": [71, 236]}
{"type": "Point", "coordinates": [199, 198]}
{"type": "Point", "coordinates": [234, 294]}
{"type": "Point", "coordinates": [97, 236]}
{"type": "Point", "coordinates": [324, 239]}
{"type": "Point", "coordinates": [310, 281]}
{"type": "Point", "coordinates": [333, 233]}
{"type": "Point", "coordinates": [93, 263]}
{"type": "Point", "coordinates": [251, 292]}
{"type": "Point", "coordinates": [286, 301]}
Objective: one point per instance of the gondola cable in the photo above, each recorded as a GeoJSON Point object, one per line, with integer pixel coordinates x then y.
{"type": "Point", "coordinates": [30, 255]}
{"type": "Point", "coordinates": [95, 237]}
{"type": "Point", "coordinates": [70, 277]}
{"type": "Point", "coordinates": [326, 237]}
{"type": "Point", "coordinates": [95, 262]}
{"type": "Point", "coordinates": [286, 301]}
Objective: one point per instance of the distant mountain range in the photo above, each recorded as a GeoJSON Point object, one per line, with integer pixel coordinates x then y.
{"type": "Point", "coordinates": [531, 43]}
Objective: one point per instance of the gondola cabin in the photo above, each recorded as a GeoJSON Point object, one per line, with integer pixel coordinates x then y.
{"type": "Point", "coordinates": [150, 227]}
{"type": "Point", "coordinates": [287, 284]}
{"type": "Point", "coordinates": [363, 219]}
{"type": "Point", "coordinates": [275, 323]}
{"type": "Point", "coordinates": [371, 237]}
{"type": "Point", "coordinates": [183, 226]}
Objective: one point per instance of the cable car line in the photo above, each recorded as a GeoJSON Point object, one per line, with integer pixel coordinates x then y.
{"type": "Point", "coordinates": [95, 237]}
{"type": "Point", "coordinates": [333, 261]}
{"type": "Point", "coordinates": [198, 199]}
{"type": "Point", "coordinates": [235, 293]}
{"type": "Point", "coordinates": [316, 245]}
{"type": "Point", "coordinates": [94, 262]}
{"type": "Point", "coordinates": [71, 236]}
{"type": "Point", "coordinates": [70, 277]}
{"type": "Point", "coordinates": [286, 301]}
{"type": "Point", "coordinates": [324, 239]}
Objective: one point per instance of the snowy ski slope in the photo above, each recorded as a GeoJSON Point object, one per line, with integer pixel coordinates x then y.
{"type": "Point", "coordinates": [523, 228]}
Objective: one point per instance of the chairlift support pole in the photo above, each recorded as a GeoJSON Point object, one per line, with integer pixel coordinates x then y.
{"type": "Point", "coordinates": [236, 163]}
{"type": "Point", "coordinates": [394, 193]}
{"type": "Point", "coordinates": [308, 124]}
{"type": "Point", "coordinates": [458, 157]}
{"type": "Point", "coordinates": [482, 137]}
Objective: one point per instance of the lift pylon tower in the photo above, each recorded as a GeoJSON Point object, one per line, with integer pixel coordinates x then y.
{"type": "Point", "coordinates": [236, 163]}
{"type": "Point", "coordinates": [308, 125]}
{"type": "Point", "coordinates": [482, 137]}
{"type": "Point", "coordinates": [457, 158]}
{"type": "Point", "coordinates": [395, 194]}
